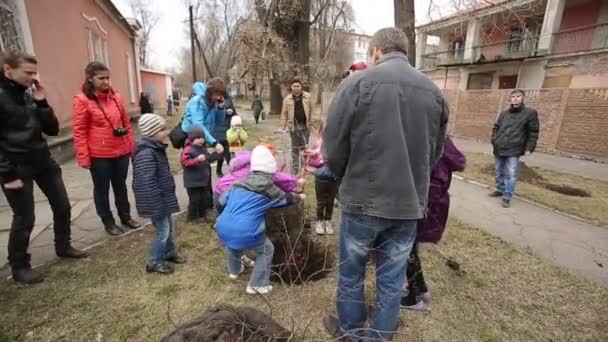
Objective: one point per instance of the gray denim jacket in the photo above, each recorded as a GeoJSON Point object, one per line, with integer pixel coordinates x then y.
{"type": "Point", "coordinates": [385, 130]}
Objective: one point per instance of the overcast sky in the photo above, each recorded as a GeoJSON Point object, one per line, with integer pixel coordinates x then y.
{"type": "Point", "coordinates": [169, 36]}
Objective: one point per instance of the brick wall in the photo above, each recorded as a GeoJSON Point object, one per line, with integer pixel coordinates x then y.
{"type": "Point", "coordinates": [571, 120]}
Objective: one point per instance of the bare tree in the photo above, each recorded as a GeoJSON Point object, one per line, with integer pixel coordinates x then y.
{"type": "Point", "coordinates": [148, 20]}
{"type": "Point", "coordinates": [405, 19]}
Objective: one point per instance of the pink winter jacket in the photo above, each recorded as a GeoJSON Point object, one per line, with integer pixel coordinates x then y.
{"type": "Point", "coordinates": [316, 160]}
{"type": "Point", "coordinates": [240, 167]}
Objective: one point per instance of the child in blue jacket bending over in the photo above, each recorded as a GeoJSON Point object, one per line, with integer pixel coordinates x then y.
{"type": "Point", "coordinates": [241, 225]}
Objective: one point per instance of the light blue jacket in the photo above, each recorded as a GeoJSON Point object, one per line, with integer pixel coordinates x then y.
{"type": "Point", "coordinates": [198, 113]}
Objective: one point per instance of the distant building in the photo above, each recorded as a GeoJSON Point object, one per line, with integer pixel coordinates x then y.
{"type": "Point", "coordinates": [158, 84]}
{"type": "Point", "coordinates": [518, 43]}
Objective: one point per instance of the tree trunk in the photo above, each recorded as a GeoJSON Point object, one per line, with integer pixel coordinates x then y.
{"type": "Point", "coordinates": [405, 19]}
{"type": "Point", "coordinates": [276, 96]}
{"type": "Point", "coordinates": [302, 33]}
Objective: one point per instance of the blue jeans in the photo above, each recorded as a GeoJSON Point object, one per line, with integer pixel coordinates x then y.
{"type": "Point", "coordinates": [392, 240]}
{"type": "Point", "coordinates": [507, 171]}
{"type": "Point", "coordinates": [162, 245]}
{"type": "Point", "coordinates": [260, 276]}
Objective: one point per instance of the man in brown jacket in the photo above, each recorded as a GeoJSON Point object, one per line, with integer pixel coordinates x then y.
{"type": "Point", "coordinates": [296, 117]}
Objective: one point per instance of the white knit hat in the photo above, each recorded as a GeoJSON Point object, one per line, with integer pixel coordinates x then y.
{"type": "Point", "coordinates": [236, 121]}
{"type": "Point", "coordinates": [150, 124]}
{"type": "Point", "coordinates": [262, 160]}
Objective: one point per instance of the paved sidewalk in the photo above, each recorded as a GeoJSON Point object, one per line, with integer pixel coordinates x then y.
{"type": "Point", "coordinates": [579, 167]}
{"type": "Point", "coordinates": [579, 247]}
{"type": "Point", "coordinates": [87, 228]}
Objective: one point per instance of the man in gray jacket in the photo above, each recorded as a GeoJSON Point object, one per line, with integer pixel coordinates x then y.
{"type": "Point", "coordinates": [385, 131]}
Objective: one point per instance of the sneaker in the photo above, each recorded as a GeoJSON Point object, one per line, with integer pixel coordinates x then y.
{"type": "Point", "coordinates": [162, 268]}
{"type": "Point", "coordinates": [426, 297]}
{"type": "Point", "coordinates": [506, 203]}
{"type": "Point", "coordinates": [233, 276]}
{"type": "Point", "coordinates": [258, 289]}
{"type": "Point", "coordinates": [495, 194]}
{"type": "Point", "coordinates": [245, 260]}
{"type": "Point", "coordinates": [420, 306]}
{"type": "Point", "coordinates": [320, 228]}
{"type": "Point", "coordinates": [332, 326]}
{"type": "Point", "coordinates": [329, 229]}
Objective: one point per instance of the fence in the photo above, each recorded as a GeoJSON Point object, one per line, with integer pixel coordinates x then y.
{"type": "Point", "coordinates": [573, 121]}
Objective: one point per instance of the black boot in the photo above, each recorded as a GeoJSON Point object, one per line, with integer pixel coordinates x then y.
{"type": "Point", "coordinates": [111, 227]}
{"type": "Point", "coordinates": [27, 276]}
{"type": "Point", "coordinates": [130, 223]}
{"type": "Point", "coordinates": [71, 253]}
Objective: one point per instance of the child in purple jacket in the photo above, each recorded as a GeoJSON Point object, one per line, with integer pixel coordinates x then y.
{"type": "Point", "coordinates": [432, 226]}
{"type": "Point", "coordinates": [240, 167]}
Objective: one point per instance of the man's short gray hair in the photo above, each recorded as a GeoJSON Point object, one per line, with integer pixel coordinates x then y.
{"type": "Point", "coordinates": [389, 39]}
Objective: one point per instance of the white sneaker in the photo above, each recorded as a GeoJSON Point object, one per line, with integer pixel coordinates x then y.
{"type": "Point", "coordinates": [320, 227]}
{"type": "Point", "coordinates": [329, 229]}
{"type": "Point", "coordinates": [245, 260]}
{"type": "Point", "coordinates": [258, 289]}
{"type": "Point", "coordinates": [233, 276]}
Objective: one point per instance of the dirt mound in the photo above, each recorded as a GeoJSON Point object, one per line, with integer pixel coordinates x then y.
{"type": "Point", "coordinates": [531, 176]}
{"type": "Point", "coordinates": [227, 323]}
{"type": "Point", "coordinates": [298, 257]}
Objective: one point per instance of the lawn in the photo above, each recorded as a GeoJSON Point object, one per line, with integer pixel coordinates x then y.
{"type": "Point", "coordinates": [586, 198]}
{"type": "Point", "coordinates": [503, 295]}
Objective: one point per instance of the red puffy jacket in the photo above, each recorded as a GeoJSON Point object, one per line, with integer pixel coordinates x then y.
{"type": "Point", "coordinates": [93, 137]}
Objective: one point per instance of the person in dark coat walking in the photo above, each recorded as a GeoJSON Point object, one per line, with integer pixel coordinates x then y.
{"type": "Point", "coordinates": [145, 103]}
{"type": "Point", "coordinates": [154, 189]}
{"type": "Point", "coordinates": [257, 107]}
{"type": "Point", "coordinates": [25, 115]}
{"type": "Point", "coordinates": [515, 134]}
{"type": "Point", "coordinates": [197, 173]}
{"type": "Point", "coordinates": [431, 228]}
{"type": "Point", "coordinates": [222, 124]}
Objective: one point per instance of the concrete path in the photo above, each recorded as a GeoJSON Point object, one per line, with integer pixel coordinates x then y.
{"type": "Point", "coordinates": [576, 246]}
{"type": "Point", "coordinates": [87, 228]}
{"type": "Point", "coordinates": [579, 167]}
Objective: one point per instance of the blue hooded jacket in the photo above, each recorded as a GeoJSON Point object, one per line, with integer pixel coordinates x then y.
{"type": "Point", "coordinates": [198, 113]}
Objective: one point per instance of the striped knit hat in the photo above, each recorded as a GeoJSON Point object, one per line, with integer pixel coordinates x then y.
{"type": "Point", "coordinates": [150, 124]}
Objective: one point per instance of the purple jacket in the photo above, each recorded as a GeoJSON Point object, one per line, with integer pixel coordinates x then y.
{"type": "Point", "coordinates": [240, 167]}
{"type": "Point", "coordinates": [431, 228]}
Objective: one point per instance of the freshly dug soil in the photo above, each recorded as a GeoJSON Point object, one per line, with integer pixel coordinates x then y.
{"type": "Point", "coordinates": [227, 323]}
{"type": "Point", "coordinates": [530, 176]}
{"type": "Point", "coordinates": [298, 257]}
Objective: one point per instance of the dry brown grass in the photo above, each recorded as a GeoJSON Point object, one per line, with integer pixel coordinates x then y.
{"type": "Point", "coordinates": [505, 295]}
{"type": "Point", "coordinates": [593, 208]}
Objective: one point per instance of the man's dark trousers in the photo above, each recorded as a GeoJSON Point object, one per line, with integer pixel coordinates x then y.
{"type": "Point", "coordinates": [49, 180]}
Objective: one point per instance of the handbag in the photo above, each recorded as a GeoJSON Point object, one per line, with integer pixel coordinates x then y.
{"type": "Point", "coordinates": [263, 115]}
{"type": "Point", "coordinates": [177, 136]}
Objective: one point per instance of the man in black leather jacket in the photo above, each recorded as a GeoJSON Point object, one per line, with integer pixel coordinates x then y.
{"type": "Point", "coordinates": [515, 133]}
{"type": "Point", "coordinates": [25, 158]}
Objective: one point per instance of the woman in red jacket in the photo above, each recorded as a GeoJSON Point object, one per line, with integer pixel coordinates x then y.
{"type": "Point", "coordinates": [104, 143]}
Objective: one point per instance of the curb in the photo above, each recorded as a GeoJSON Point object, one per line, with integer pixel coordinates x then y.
{"type": "Point", "coordinates": [529, 201]}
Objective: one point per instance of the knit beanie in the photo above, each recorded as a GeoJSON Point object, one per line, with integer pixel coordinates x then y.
{"type": "Point", "coordinates": [236, 121]}
{"type": "Point", "coordinates": [263, 161]}
{"type": "Point", "coordinates": [150, 124]}
{"type": "Point", "coordinates": [196, 132]}
{"type": "Point", "coordinates": [518, 91]}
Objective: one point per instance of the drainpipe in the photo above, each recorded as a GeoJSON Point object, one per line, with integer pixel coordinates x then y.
{"type": "Point", "coordinates": [445, 79]}
{"type": "Point", "coordinates": [519, 73]}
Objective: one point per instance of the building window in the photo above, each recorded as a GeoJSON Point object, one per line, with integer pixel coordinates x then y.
{"type": "Point", "coordinates": [9, 34]}
{"type": "Point", "coordinates": [98, 49]}
{"type": "Point", "coordinates": [131, 77]}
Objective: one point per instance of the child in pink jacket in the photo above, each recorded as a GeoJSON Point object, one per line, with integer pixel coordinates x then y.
{"type": "Point", "coordinates": [326, 187]}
